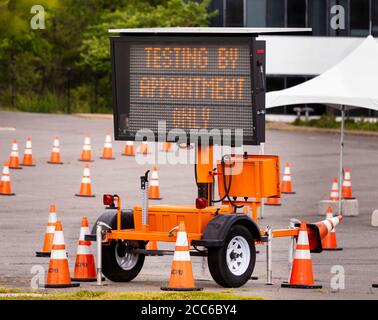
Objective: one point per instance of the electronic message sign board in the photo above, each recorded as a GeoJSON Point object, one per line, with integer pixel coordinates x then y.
{"type": "Point", "coordinates": [189, 83]}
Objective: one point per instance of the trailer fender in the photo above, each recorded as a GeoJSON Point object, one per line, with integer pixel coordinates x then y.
{"type": "Point", "coordinates": [218, 228]}
{"type": "Point", "coordinates": [110, 218]}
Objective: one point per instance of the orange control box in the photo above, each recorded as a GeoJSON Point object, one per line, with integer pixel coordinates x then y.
{"type": "Point", "coordinates": [250, 176]}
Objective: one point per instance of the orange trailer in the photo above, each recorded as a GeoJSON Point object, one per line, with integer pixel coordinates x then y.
{"type": "Point", "coordinates": [191, 79]}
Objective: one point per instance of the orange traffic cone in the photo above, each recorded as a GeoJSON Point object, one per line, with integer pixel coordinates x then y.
{"type": "Point", "coordinates": [154, 189]}
{"type": "Point", "coordinates": [129, 149]}
{"type": "Point", "coordinates": [329, 242]}
{"type": "Point", "coordinates": [334, 195]}
{"type": "Point", "coordinates": [301, 276]}
{"type": "Point", "coordinates": [347, 185]}
{"type": "Point", "coordinates": [13, 160]}
{"type": "Point", "coordinates": [286, 186]}
{"type": "Point", "coordinates": [5, 182]}
{"type": "Point", "coordinates": [49, 234]}
{"type": "Point", "coordinates": [152, 245]}
{"type": "Point", "coordinates": [274, 201]}
{"type": "Point", "coordinates": [86, 153]}
{"type": "Point", "coordinates": [143, 148]}
{"type": "Point", "coordinates": [58, 275]}
{"type": "Point", "coordinates": [85, 186]}
{"type": "Point", "coordinates": [27, 159]}
{"type": "Point", "coordinates": [55, 153]}
{"type": "Point", "coordinates": [85, 269]}
{"type": "Point", "coordinates": [181, 278]}
{"type": "Point", "coordinates": [107, 151]}
{"type": "Point", "coordinates": [326, 226]}
{"type": "Point", "coordinates": [167, 147]}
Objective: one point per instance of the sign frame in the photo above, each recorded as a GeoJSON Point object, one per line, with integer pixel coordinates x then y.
{"type": "Point", "coordinates": [121, 76]}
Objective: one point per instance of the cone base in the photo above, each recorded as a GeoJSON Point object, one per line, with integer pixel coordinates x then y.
{"type": "Point", "coordinates": [332, 249]}
{"type": "Point", "coordinates": [81, 160]}
{"type": "Point", "coordinates": [57, 286]}
{"type": "Point", "coordinates": [353, 198]}
{"type": "Point", "coordinates": [301, 286]}
{"type": "Point", "coordinates": [15, 168]}
{"type": "Point", "coordinates": [181, 289]}
{"type": "Point", "coordinates": [50, 162]}
{"type": "Point", "coordinates": [41, 254]}
{"type": "Point", "coordinates": [375, 285]}
{"type": "Point", "coordinates": [127, 155]}
{"type": "Point", "coordinates": [107, 158]}
{"type": "Point", "coordinates": [84, 195]}
{"type": "Point", "coordinates": [28, 165]}
{"type": "Point", "coordinates": [87, 279]}
{"type": "Point", "coordinates": [289, 192]}
{"type": "Point", "coordinates": [155, 198]}
{"type": "Point", "coordinates": [7, 194]}
{"type": "Point", "coordinates": [254, 278]}
{"type": "Point", "coordinates": [271, 204]}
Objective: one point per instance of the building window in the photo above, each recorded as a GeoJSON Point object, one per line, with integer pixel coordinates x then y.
{"type": "Point", "coordinates": [296, 13]}
{"type": "Point", "coordinates": [359, 17]}
{"type": "Point", "coordinates": [234, 16]}
{"type": "Point", "coordinates": [275, 13]}
{"type": "Point", "coordinates": [317, 14]}
{"type": "Point", "coordinates": [375, 18]}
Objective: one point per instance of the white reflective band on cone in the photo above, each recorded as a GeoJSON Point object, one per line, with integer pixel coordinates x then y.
{"type": "Point", "coordinates": [182, 239]}
{"type": "Point", "coordinates": [86, 180]}
{"type": "Point", "coordinates": [55, 149]}
{"type": "Point", "coordinates": [86, 172]}
{"type": "Point", "coordinates": [108, 138]}
{"type": "Point", "coordinates": [28, 151]}
{"type": "Point", "coordinates": [86, 147]}
{"type": "Point", "coordinates": [58, 255]}
{"type": "Point", "coordinates": [6, 170]}
{"type": "Point", "coordinates": [302, 254]}
{"type": "Point", "coordinates": [28, 144]}
{"type": "Point", "coordinates": [14, 147]}
{"type": "Point", "coordinates": [335, 221]}
{"type": "Point", "coordinates": [287, 170]}
{"type": "Point", "coordinates": [56, 143]}
{"type": "Point", "coordinates": [83, 232]}
{"type": "Point", "coordinates": [5, 178]}
{"type": "Point", "coordinates": [14, 154]}
{"type": "Point", "coordinates": [154, 175]}
{"type": "Point", "coordinates": [286, 178]}
{"type": "Point", "coordinates": [50, 229]}
{"type": "Point", "coordinates": [303, 238]}
{"type": "Point", "coordinates": [58, 238]}
{"type": "Point", "coordinates": [328, 224]}
{"type": "Point", "coordinates": [129, 143]}
{"type": "Point", "coordinates": [107, 145]}
{"type": "Point", "coordinates": [154, 183]}
{"type": "Point", "coordinates": [347, 184]}
{"type": "Point", "coordinates": [52, 217]}
{"type": "Point", "coordinates": [181, 256]}
{"type": "Point", "coordinates": [87, 140]}
{"type": "Point", "coordinates": [83, 249]}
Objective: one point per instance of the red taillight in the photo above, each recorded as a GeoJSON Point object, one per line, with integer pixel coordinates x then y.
{"type": "Point", "coordinates": [260, 51]}
{"type": "Point", "coordinates": [201, 203]}
{"type": "Point", "coordinates": [108, 200]}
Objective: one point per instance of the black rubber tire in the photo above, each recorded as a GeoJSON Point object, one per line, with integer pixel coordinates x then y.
{"type": "Point", "coordinates": [112, 270]}
{"type": "Point", "coordinates": [218, 264]}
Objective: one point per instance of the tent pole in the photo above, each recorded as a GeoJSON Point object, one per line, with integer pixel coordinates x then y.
{"type": "Point", "coordinates": [341, 157]}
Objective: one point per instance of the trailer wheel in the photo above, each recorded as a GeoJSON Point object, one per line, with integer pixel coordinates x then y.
{"type": "Point", "coordinates": [117, 264]}
{"type": "Point", "coordinates": [232, 264]}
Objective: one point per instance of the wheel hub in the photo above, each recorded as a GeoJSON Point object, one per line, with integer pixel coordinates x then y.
{"type": "Point", "coordinates": [238, 255]}
{"type": "Point", "coordinates": [125, 259]}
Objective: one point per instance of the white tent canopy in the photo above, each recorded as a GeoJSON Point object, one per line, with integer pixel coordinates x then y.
{"type": "Point", "coordinates": [351, 82]}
